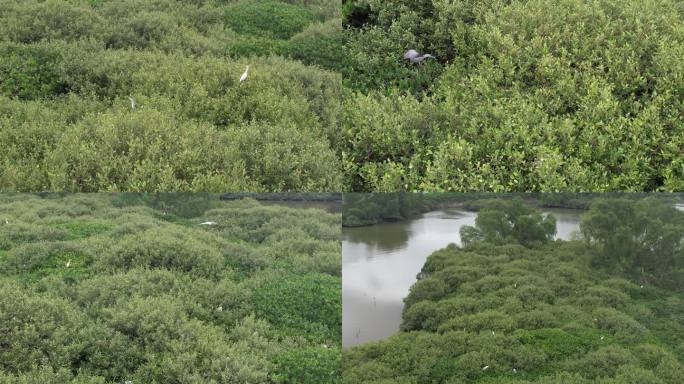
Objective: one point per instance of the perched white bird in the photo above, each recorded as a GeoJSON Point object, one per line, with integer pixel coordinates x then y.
{"type": "Point", "coordinates": [220, 308]}
{"type": "Point", "coordinates": [486, 367]}
{"type": "Point", "coordinates": [325, 346]}
{"type": "Point", "coordinates": [515, 285]}
{"type": "Point", "coordinates": [244, 75]}
{"type": "Point", "coordinates": [68, 263]}
{"type": "Point", "coordinates": [641, 286]}
{"type": "Point", "coordinates": [208, 223]}
{"type": "Point", "coordinates": [255, 333]}
{"type": "Point", "coordinates": [492, 333]}
{"type": "Point", "coordinates": [601, 337]}
{"type": "Point", "coordinates": [515, 370]}
{"type": "Point", "coordinates": [132, 103]}
{"type": "Point", "coordinates": [128, 382]}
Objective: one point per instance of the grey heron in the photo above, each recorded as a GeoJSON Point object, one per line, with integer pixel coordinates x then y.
{"type": "Point", "coordinates": [413, 56]}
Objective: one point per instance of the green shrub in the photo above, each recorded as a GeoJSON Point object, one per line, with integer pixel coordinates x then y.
{"type": "Point", "coordinates": [30, 71]}
{"type": "Point", "coordinates": [319, 44]}
{"type": "Point", "coordinates": [267, 18]}
{"type": "Point", "coordinates": [310, 366]}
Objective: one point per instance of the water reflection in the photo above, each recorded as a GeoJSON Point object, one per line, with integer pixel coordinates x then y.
{"type": "Point", "coordinates": [380, 263]}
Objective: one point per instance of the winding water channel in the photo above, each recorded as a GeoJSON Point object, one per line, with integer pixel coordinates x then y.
{"type": "Point", "coordinates": [380, 263]}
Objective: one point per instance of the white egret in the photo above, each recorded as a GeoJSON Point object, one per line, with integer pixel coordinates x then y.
{"type": "Point", "coordinates": [220, 308]}
{"type": "Point", "coordinates": [133, 105]}
{"type": "Point", "coordinates": [515, 370]}
{"type": "Point", "coordinates": [68, 264]}
{"type": "Point", "coordinates": [413, 56]}
{"type": "Point", "coordinates": [244, 75]}
{"type": "Point", "coordinates": [486, 367]}
{"type": "Point", "coordinates": [601, 337]}
{"type": "Point", "coordinates": [208, 223]}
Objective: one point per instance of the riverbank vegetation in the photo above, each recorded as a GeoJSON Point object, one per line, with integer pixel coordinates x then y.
{"type": "Point", "coordinates": [68, 68]}
{"type": "Point", "coordinates": [167, 289]}
{"type": "Point", "coordinates": [539, 95]}
{"type": "Point", "coordinates": [513, 306]}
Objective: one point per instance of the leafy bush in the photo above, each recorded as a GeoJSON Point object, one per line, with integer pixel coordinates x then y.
{"type": "Point", "coordinates": [267, 18]}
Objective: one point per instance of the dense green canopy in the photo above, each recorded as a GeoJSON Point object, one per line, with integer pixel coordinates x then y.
{"type": "Point", "coordinates": [67, 68]}
{"type": "Point", "coordinates": [105, 289]}
{"type": "Point", "coordinates": [525, 95]}
{"type": "Point", "coordinates": [506, 313]}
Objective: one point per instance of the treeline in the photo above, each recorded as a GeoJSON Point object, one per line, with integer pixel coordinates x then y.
{"type": "Point", "coordinates": [68, 67]}
{"type": "Point", "coordinates": [361, 209]}
{"type": "Point", "coordinates": [539, 95]}
{"type": "Point", "coordinates": [512, 306]}
{"type": "Point", "coordinates": [101, 289]}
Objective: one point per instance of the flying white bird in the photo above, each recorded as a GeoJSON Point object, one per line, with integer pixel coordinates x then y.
{"type": "Point", "coordinates": [208, 223]}
{"type": "Point", "coordinates": [413, 56]}
{"type": "Point", "coordinates": [132, 103]}
{"type": "Point", "coordinates": [244, 75]}
{"type": "Point", "coordinates": [486, 367]}
{"type": "Point", "coordinates": [68, 263]}
{"type": "Point", "coordinates": [220, 308]}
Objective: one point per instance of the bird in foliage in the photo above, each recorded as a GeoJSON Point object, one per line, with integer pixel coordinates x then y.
{"type": "Point", "coordinates": [68, 264]}
{"type": "Point", "coordinates": [208, 223]}
{"type": "Point", "coordinates": [413, 56]}
{"type": "Point", "coordinates": [244, 75]}
{"type": "Point", "coordinates": [220, 308]}
{"type": "Point", "coordinates": [486, 367]}
{"type": "Point", "coordinates": [133, 105]}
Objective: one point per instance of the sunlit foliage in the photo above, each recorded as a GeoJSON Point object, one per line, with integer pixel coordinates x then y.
{"type": "Point", "coordinates": [115, 288]}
